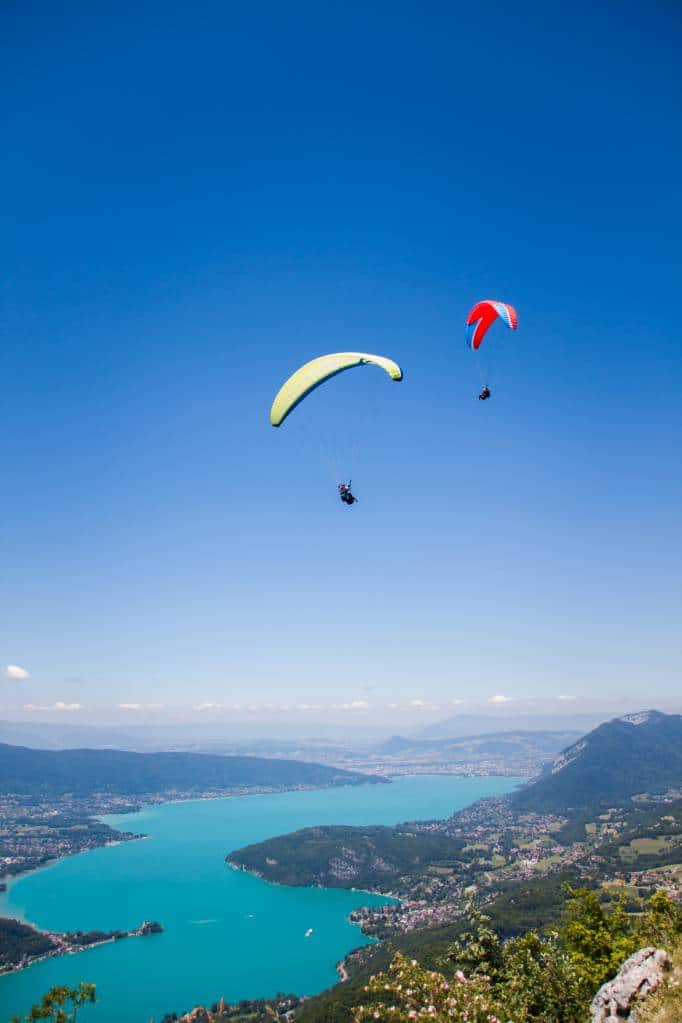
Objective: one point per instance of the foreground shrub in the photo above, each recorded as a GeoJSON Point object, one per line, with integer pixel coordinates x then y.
{"type": "Point", "coordinates": [530, 979]}
{"type": "Point", "coordinates": [539, 983]}
{"type": "Point", "coordinates": [408, 992]}
{"type": "Point", "coordinates": [533, 978]}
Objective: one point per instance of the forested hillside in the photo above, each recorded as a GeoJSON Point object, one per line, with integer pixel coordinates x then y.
{"type": "Point", "coordinates": [49, 773]}
{"type": "Point", "coordinates": [640, 753]}
{"type": "Point", "coordinates": [345, 857]}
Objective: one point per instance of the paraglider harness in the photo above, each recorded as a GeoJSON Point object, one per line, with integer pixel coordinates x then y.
{"type": "Point", "coordinates": [485, 394]}
{"type": "Point", "coordinates": [345, 493]}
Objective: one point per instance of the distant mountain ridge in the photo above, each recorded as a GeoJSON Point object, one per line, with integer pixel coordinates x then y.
{"type": "Point", "coordinates": [547, 741]}
{"type": "Point", "coordinates": [460, 726]}
{"type": "Point", "coordinates": [634, 754]}
{"type": "Point", "coordinates": [83, 772]}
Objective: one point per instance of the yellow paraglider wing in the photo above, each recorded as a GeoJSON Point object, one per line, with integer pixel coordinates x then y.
{"type": "Point", "coordinates": [314, 373]}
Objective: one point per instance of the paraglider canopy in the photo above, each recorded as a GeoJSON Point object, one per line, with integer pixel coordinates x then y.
{"type": "Point", "coordinates": [314, 373]}
{"type": "Point", "coordinates": [482, 317]}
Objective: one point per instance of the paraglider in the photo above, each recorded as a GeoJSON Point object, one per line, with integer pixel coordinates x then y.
{"type": "Point", "coordinates": [345, 493]}
{"type": "Point", "coordinates": [480, 320]}
{"type": "Point", "coordinates": [309, 376]}
{"type": "Point", "coordinates": [312, 374]}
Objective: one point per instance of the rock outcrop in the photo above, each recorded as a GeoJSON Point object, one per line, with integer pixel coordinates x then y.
{"type": "Point", "coordinates": [638, 977]}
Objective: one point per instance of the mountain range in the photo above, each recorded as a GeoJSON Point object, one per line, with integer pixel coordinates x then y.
{"type": "Point", "coordinates": [461, 725]}
{"type": "Point", "coordinates": [506, 741]}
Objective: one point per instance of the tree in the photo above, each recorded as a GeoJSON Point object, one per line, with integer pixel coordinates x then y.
{"type": "Point", "coordinates": [60, 1004]}
{"type": "Point", "coordinates": [598, 942]}
{"type": "Point", "coordinates": [532, 976]}
{"type": "Point", "coordinates": [662, 923]}
{"type": "Point", "coordinates": [478, 952]}
{"type": "Point", "coordinates": [538, 982]}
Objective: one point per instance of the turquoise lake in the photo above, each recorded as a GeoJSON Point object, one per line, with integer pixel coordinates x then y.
{"type": "Point", "coordinates": [226, 933]}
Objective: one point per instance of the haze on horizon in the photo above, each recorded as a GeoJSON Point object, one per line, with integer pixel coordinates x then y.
{"type": "Point", "coordinates": [201, 201]}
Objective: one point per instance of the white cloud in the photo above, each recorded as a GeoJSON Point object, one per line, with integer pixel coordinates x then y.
{"type": "Point", "coordinates": [566, 697]}
{"type": "Point", "coordinates": [130, 706]}
{"type": "Point", "coordinates": [35, 706]}
{"type": "Point", "coordinates": [417, 703]}
{"type": "Point", "coordinates": [206, 706]}
{"type": "Point", "coordinates": [499, 698]}
{"type": "Point", "coordinates": [14, 671]}
{"type": "Point", "coordinates": [455, 702]}
{"type": "Point", "coordinates": [60, 705]}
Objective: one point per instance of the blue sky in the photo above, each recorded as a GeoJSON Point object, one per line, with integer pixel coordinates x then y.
{"type": "Point", "coordinates": [194, 203]}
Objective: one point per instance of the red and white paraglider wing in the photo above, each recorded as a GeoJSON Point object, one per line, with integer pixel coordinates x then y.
{"type": "Point", "coordinates": [483, 315]}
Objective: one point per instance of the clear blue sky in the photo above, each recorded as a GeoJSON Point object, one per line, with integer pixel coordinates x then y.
{"type": "Point", "coordinates": [196, 199]}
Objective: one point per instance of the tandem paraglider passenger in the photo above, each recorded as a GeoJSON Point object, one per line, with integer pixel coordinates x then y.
{"type": "Point", "coordinates": [345, 493]}
{"type": "Point", "coordinates": [485, 394]}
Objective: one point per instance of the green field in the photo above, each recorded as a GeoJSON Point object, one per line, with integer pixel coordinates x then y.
{"type": "Point", "coordinates": [647, 847]}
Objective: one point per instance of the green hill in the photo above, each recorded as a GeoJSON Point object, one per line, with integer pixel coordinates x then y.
{"type": "Point", "coordinates": [345, 857]}
{"type": "Point", "coordinates": [639, 753]}
{"type": "Point", "coordinates": [44, 774]}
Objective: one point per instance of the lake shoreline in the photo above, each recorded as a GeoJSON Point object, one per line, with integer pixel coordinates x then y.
{"type": "Point", "coordinates": [123, 838]}
{"type": "Point", "coordinates": [320, 887]}
{"type": "Point", "coordinates": [183, 880]}
{"type": "Point", "coordinates": [62, 946]}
